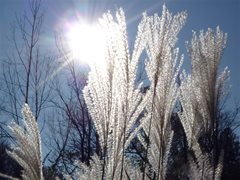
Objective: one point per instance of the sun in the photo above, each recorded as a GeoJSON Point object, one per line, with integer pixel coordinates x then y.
{"type": "Point", "coordinates": [86, 42]}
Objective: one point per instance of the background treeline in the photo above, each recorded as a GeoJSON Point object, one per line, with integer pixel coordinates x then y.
{"type": "Point", "coordinates": [53, 86]}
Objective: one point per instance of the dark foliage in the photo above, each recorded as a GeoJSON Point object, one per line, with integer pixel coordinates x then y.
{"type": "Point", "coordinates": [8, 166]}
{"type": "Point", "coordinates": [231, 146]}
{"type": "Point", "coordinates": [228, 141]}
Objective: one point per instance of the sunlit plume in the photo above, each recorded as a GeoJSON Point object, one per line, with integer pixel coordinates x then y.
{"type": "Point", "coordinates": [87, 42]}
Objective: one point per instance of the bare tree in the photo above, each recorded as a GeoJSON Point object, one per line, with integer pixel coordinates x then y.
{"type": "Point", "coordinates": [26, 71]}
{"type": "Point", "coordinates": [96, 123]}
{"type": "Point", "coordinates": [74, 136]}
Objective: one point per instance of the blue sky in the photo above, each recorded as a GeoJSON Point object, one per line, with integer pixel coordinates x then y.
{"type": "Point", "coordinates": [201, 15]}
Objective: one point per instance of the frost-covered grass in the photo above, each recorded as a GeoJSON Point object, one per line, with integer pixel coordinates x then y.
{"type": "Point", "coordinates": [116, 105]}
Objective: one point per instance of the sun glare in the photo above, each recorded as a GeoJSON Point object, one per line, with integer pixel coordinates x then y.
{"type": "Point", "coordinates": [86, 42]}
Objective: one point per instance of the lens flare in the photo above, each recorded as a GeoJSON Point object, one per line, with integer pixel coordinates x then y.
{"type": "Point", "coordinates": [87, 42]}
